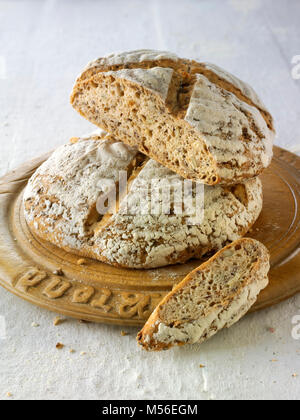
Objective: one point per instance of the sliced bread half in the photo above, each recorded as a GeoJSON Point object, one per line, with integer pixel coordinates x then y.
{"type": "Point", "coordinates": [212, 297]}
{"type": "Point", "coordinates": [194, 118]}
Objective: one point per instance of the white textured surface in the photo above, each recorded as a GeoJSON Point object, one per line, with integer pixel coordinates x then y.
{"type": "Point", "coordinates": [44, 45]}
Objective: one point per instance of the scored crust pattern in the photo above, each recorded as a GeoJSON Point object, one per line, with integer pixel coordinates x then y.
{"type": "Point", "coordinates": [60, 207]}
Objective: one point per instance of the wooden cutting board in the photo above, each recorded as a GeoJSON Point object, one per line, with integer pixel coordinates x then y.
{"type": "Point", "coordinates": [30, 267]}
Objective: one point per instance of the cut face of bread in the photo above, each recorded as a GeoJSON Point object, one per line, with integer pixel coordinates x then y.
{"type": "Point", "coordinates": [194, 118]}
{"type": "Point", "coordinates": [212, 297]}
{"type": "Point", "coordinates": [62, 200]}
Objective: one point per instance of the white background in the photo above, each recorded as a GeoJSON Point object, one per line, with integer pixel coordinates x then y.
{"type": "Point", "coordinates": [43, 46]}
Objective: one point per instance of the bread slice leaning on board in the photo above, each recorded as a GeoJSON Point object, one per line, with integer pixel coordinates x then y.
{"type": "Point", "coordinates": [212, 297]}
{"type": "Point", "coordinates": [61, 198]}
{"type": "Point", "coordinates": [194, 118]}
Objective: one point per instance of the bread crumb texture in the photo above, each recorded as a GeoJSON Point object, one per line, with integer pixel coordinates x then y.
{"type": "Point", "coordinates": [212, 297]}
{"type": "Point", "coordinates": [194, 118]}
{"type": "Point", "coordinates": [61, 207]}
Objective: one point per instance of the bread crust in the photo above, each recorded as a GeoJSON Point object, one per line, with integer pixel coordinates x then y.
{"type": "Point", "coordinates": [194, 118]}
{"type": "Point", "coordinates": [232, 299]}
{"type": "Point", "coordinates": [60, 207]}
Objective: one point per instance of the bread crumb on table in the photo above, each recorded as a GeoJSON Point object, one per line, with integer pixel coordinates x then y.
{"type": "Point", "coordinates": [58, 321]}
{"type": "Point", "coordinates": [201, 366]}
{"type": "Point", "coordinates": [35, 324]}
{"type": "Point", "coordinates": [60, 346]}
{"type": "Point", "coordinates": [9, 394]}
{"type": "Point", "coordinates": [271, 330]}
{"type": "Point", "coordinates": [124, 333]}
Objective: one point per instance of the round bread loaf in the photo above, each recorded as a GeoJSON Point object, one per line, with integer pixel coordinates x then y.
{"type": "Point", "coordinates": [63, 197]}
{"type": "Point", "coordinates": [194, 118]}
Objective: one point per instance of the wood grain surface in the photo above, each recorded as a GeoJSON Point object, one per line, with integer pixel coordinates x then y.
{"type": "Point", "coordinates": [51, 278]}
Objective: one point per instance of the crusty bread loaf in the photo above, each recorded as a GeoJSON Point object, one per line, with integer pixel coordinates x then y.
{"type": "Point", "coordinates": [212, 297]}
{"type": "Point", "coordinates": [60, 207]}
{"type": "Point", "coordinates": [194, 118]}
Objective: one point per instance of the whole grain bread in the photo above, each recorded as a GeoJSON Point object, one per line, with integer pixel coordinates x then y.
{"type": "Point", "coordinates": [214, 296]}
{"type": "Point", "coordinates": [194, 118]}
{"type": "Point", "coordinates": [61, 206]}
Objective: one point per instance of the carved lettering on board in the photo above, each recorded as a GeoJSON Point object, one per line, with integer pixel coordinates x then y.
{"type": "Point", "coordinates": [133, 304]}
{"type": "Point", "coordinates": [56, 288]}
{"type": "Point", "coordinates": [127, 305]}
{"type": "Point", "coordinates": [32, 278]}
{"type": "Point", "coordinates": [102, 301]}
{"type": "Point", "coordinates": [83, 294]}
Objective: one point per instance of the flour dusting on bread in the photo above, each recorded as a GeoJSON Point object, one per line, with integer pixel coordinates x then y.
{"type": "Point", "coordinates": [61, 207]}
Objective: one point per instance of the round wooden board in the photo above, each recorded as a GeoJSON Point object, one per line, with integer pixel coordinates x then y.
{"type": "Point", "coordinates": [101, 293]}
